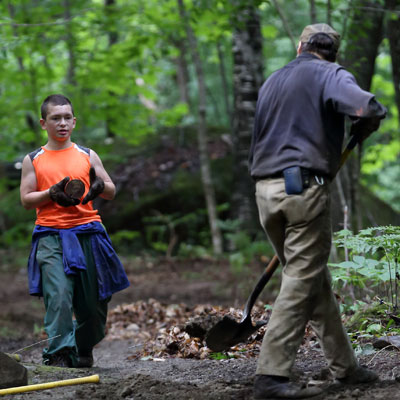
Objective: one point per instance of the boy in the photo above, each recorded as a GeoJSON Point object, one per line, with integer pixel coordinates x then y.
{"type": "Point", "coordinates": [72, 263]}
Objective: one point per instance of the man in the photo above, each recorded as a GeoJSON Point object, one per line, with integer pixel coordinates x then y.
{"type": "Point", "coordinates": [295, 153]}
{"type": "Point", "coordinates": [72, 263]}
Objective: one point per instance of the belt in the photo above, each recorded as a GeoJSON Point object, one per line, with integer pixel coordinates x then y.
{"type": "Point", "coordinates": [306, 173]}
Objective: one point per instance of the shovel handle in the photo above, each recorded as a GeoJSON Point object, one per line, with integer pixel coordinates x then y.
{"type": "Point", "coordinates": [350, 146]}
{"type": "Point", "coordinates": [265, 277]}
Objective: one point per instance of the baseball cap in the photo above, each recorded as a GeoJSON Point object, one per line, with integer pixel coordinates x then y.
{"type": "Point", "coordinates": [311, 30]}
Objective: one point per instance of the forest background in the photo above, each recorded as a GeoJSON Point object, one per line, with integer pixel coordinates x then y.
{"type": "Point", "coordinates": [165, 92]}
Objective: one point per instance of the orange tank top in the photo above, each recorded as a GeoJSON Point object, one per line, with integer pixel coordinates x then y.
{"type": "Point", "coordinates": [51, 166]}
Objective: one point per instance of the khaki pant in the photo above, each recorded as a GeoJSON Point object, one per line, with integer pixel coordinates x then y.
{"type": "Point", "coordinates": [299, 229]}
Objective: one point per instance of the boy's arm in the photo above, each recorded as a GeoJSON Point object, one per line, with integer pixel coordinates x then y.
{"type": "Point", "coordinates": [109, 187]}
{"type": "Point", "coordinates": [30, 197]}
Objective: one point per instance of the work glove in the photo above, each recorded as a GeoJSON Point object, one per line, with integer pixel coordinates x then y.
{"type": "Point", "coordinates": [363, 127]}
{"type": "Point", "coordinates": [58, 195]}
{"type": "Point", "coordinates": [96, 186]}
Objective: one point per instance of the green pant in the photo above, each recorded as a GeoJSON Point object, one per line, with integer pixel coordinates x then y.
{"type": "Point", "coordinates": [299, 228]}
{"type": "Point", "coordinates": [68, 295]}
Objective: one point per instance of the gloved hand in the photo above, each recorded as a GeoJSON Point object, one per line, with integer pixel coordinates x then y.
{"type": "Point", "coordinates": [96, 186]}
{"type": "Point", "coordinates": [58, 195]}
{"type": "Point", "coordinates": [363, 127]}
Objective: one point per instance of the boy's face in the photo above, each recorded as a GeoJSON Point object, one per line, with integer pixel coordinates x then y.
{"type": "Point", "coordinates": [59, 122]}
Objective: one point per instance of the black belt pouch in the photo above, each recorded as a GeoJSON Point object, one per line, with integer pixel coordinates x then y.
{"type": "Point", "coordinates": [295, 180]}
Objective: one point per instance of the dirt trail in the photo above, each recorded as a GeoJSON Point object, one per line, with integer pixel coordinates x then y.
{"type": "Point", "coordinates": [124, 376]}
{"type": "Point", "coordinates": [175, 378]}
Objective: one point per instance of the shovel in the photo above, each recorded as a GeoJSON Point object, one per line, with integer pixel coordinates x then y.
{"type": "Point", "coordinates": [227, 332]}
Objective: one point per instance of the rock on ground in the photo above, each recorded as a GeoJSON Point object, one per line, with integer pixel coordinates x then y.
{"type": "Point", "coordinates": [11, 372]}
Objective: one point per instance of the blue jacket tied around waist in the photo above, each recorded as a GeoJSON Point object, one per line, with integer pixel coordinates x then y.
{"type": "Point", "coordinates": [111, 276]}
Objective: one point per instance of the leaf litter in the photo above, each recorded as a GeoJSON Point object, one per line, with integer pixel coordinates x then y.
{"type": "Point", "coordinates": [161, 331]}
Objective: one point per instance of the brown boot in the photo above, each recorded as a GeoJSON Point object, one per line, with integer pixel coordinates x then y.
{"type": "Point", "coordinates": [278, 387]}
{"type": "Point", "coordinates": [358, 375]}
{"type": "Point", "coordinates": [61, 358]}
{"type": "Point", "coordinates": [85, 359]}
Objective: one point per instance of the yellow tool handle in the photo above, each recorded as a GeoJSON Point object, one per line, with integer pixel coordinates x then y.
{"type": "Point", "coordinates": [14, 356]}
{"type": "Point", "coordinates": [50, 385]}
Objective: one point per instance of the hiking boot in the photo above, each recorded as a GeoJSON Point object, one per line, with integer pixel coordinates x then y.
{"type": "Point", "coordinates": [358, 375]}
{"type": "Point", "coordinates": [279, 387]}
{"type": "Point", "coordinates": [60, 359]}
{"type": "Point", "coordinates": [85, 359]}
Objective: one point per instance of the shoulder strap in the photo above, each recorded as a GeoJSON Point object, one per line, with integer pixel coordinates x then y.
{"type": "Point", "coordinates": [83, 149]}
{"type": "Point", "coordinates": [35, 153]}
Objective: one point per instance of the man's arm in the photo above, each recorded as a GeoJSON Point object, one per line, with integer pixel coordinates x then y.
{"type": "Point", "coordinates": [349, 99]}
{"type": "Point", "coordinates": [30, 197]}
{"type": "Point", "coordinates": [109, 187]}
{"type": "Point", "coordinates": [361, 106]}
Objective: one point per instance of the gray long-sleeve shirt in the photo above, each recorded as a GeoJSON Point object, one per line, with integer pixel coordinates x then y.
{"type": "Point", "coordinates": [300, 117]}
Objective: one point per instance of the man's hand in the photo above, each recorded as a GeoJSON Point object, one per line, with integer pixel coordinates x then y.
{"type": "Point", "coordinates": [96, 186]}
{"type": "Point", "coordinates": [58, 195]}
{"type": "Point", "coordinates": [363, 127]}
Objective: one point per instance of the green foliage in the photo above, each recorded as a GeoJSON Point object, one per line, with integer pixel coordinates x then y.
{"type": "Point", "coordinates": [16, 230]}
{"type": "Point", "coordinates": [360, 272]}
{"type": "Point", "coordinates": [372, 240]}
{"type": "Point", "coordinates": [111, 72]}
{"type": "Point", "coordinates": [245, 249]}
{"type": "Point", "coordinates": [162, 231]}
{"type": "Point", "coordinates": [380, 270]}
{"type": "Point", "coordinates": [118, 64]}
{"type": "Point", "coordinates": [369, 321]}
{"type": "Point", "coordinates": [124, 240]}
{"type": "Point", "coordinates": [221, 356]}
{"type": "Point", "coordinates": [17, 236]}
{"type": "Point", "coordinates": [190, 251]}
{"type": "Point", "coordinates": [7, 333]}
{"type": "Point", "coordinates": [380, 165]}
{"type": "Point", "coordinates": [38, 330]}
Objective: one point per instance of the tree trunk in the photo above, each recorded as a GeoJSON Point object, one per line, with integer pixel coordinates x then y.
{"type": "Point", "coordinates": [313, 12]}
{"type": "Point", "coordinates": [329, 12]}
{"type": "Point", "coordinates": [182, 75]}
{"type": "Point", "coordinates": [393, 33]}
{"type": "Point", "coordinates": [31, 121]}
{"type": "Point", "coordinates": [202, 135]}
{"type": "Point", "coordinates": [225, 87]}
{"type": "Point", "coordinates": [247, 80]}
{"type": "Point", "coordinates": [70, 41]}
{"type": "Point", "coordinates": [285, 24]}
{"type": "Point", "coordinates": [182, 79]}
{"type": "Point", "coordinates": [364, 38]}
{"type": "Point", "coordinates": [112, 33]}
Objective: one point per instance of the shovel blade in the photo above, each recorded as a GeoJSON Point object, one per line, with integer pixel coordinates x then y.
{"type": "Point", "coordinates": [227, 332]}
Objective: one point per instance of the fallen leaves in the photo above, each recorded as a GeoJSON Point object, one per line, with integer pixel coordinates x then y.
{"type": "Point", "coordinates": [161, 331]}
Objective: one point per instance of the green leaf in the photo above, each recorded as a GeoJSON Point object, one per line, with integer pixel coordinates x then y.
{"type": "Point", "coordinates": [269, 31]}
{"type": "Point", "coordinates": [348, 265]}
{"type": "Point", "coordinates": [374, 328]}
{"type": "Point", "coordinates": [360, 260]}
